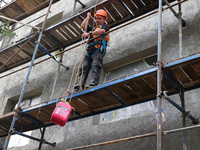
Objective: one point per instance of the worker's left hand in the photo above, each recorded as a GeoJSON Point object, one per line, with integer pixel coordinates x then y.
{"type": "Point", "coordinates": [85, 34]}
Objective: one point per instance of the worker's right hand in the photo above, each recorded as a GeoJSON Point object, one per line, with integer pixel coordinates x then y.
{"type": "Point", "coordinates": [89, 15]}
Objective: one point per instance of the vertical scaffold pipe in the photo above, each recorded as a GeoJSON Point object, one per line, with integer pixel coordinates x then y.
{"type": "Point", "coordinates": [159, 78]}
{"type": "Point", "coordinates": [42, 138]}
{"type": "Point", "coordinates": [26, 81]}
{"type": "Point", "coordinates": [182, 97]}
{"type": "Point", "coordinates": [22, 93]}
{"type": "Point", "coordinates": [180, 32]}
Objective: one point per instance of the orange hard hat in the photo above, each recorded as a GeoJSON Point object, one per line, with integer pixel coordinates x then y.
{"type": "Point", "coordinates": [101, 12]}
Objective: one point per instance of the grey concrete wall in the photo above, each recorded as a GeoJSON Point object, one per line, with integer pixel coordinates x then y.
{"type": "Point", "coordinates": [124, 42]}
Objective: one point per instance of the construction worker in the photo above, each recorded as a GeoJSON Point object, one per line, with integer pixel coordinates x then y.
{"type": "Point", "coordinates": [95, 51]}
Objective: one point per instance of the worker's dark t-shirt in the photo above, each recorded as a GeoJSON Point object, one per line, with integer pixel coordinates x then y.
{"type": "Point", "coordinates": [92, 49]}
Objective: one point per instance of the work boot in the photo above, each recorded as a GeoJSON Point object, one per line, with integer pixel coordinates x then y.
{"type": "Point", "coordinates": [77, 88]}
{"type": "Point", "coordinates": [92, 85]}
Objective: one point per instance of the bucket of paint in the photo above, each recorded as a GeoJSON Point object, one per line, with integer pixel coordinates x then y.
{"type": "Point", "coordinates": [61, 113]}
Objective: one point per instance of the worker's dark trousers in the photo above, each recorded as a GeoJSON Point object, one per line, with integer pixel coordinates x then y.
{"type": "Point", "coordinates": [88, 63]}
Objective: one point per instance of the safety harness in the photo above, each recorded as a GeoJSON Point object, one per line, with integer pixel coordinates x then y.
{"type": "Point", "coordinates": [102, 43]}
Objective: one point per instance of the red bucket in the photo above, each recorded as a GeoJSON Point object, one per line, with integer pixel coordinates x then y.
{"type": "Point", "coordinates": [61, 113]}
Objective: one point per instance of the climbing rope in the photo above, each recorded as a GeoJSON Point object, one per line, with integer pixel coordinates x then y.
{"type": "Point", "coordinates": [85, 47]}
{"type": "Point", "coordinates": [73, 72]}
{"type": "Point", "coordinates": [95, 8]}
{"type": "Point", "coordinates": [78, 69]}
{"type": "Point", "coordinates": [80, 63]}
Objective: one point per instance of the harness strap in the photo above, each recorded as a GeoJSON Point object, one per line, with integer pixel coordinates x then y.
{"type": "Point", "coordinates": [94, 43]}
{"type": "Point", "coordinates": [102, 42]}
{"type": "Point", "coordinates": [102, 47]}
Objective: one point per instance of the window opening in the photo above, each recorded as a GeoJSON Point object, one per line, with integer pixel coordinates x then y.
{"type": "Point", "coordinates": [50, 21]}
{"type": "Point", "coordinates": [17, 140]}
{"type": "Point", "coordinates": [124, 70]}
{"type": "Point", "coordinates": [131, 67]}
{"type": "Point", "coordinates": [29, 99]}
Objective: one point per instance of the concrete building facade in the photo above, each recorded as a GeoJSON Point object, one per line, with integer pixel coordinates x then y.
{"type": "Point", "coordinates": [131, 49]}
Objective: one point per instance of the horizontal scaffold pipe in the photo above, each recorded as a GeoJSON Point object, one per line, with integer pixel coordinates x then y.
{"type": "Point", "coordinates": [19, 50]}
{"type": "Point", "coordinates": [31, 10]}
{"type": "Point", "coordinates": [135, 137]}
{"type": "Point", "coordinates": [116, 28]}
{"type": "Point", "coordinates": [19, 22]}
{"type": "Point", "coordinates": [182, 129]}
{"type": "Point", "coordinates": [115, 141]}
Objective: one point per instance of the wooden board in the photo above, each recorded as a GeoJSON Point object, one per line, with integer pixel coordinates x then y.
{"type": "Point", "coordinates": [118, 12]}
{"type": "Point", "coordinates": [19, 9]}
{"type": "Point", "coordinates": [133, 90]}
{"type": "Point", "coordinates": [190, 71]}
{"type": "Point", "coordinates": [133, 8]}
{"type": "Point", "coordinates": [181, 75]}
{"type": "Point", "coordinates": [48, 41]}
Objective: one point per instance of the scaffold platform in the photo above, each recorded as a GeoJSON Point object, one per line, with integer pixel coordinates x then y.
{"type": "Point", "coordinates": [20, 9]}
{"type": "Point", "coordinates": [126, 91]}
{"type": "Point", "coordinates": [69, 31]}
{"type": "Point", "coordinates": [175, 77]}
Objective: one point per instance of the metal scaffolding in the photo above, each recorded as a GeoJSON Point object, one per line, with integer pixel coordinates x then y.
{"type": "Point", "coordinates": [26, 81]}
{"type": "Point", "coordinates": [161, 70]}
